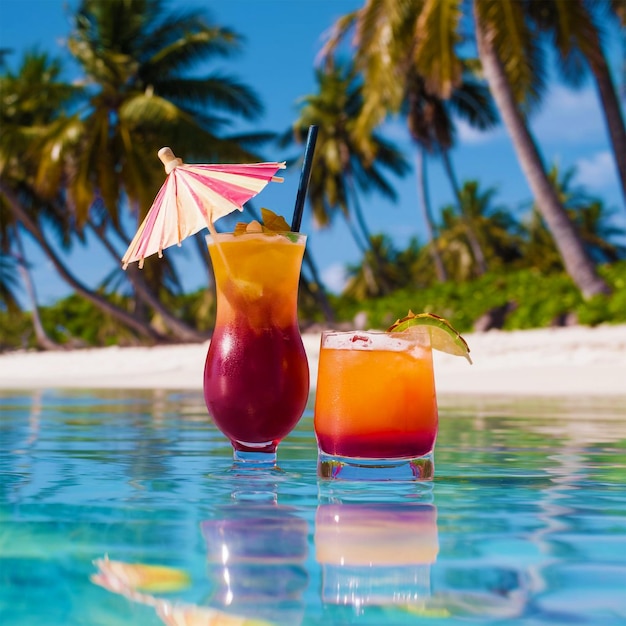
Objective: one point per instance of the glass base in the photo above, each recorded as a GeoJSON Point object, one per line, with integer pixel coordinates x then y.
{"type": "Point", "coordinates": [332, 467]}
{"type": "Point", "coordinates": [248, 460]}
{"type": "Point", "coordinates": [259, 467]}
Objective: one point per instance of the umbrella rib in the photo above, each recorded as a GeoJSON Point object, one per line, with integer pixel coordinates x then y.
{"type": "Point", "coordinates": [214, 190]}
{"type": "Point", "coordinates": [178, 210]}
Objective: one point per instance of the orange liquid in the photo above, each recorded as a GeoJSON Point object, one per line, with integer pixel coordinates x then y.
{"type": "Point", "coordinates": [375, 403]}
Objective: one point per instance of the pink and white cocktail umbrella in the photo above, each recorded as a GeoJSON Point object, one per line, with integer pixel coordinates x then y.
{"type": "Point", "coordinates": [193, 197]}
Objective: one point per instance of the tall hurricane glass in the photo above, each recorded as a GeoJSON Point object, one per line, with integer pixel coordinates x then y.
{"type": "Point", "coordinates": [256, 377]}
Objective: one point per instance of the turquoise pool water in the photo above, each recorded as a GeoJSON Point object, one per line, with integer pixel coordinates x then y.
{"type": "Point", "coordinates": [525, 522]}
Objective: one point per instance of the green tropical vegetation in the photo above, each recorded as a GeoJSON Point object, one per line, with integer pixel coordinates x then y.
{"type": "Point", "coordinates": [76, 161]}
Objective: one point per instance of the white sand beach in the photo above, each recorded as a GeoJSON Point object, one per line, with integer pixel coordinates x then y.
{"type": "Point", "coordinates": [578, 360]}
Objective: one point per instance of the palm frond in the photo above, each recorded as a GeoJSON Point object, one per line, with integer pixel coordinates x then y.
{"type": "Point", "coordinates": [188, 50]}
{"type": "Point", "coordinates": [472, 102]}
{"type": "Point", "coordinates": [9, 284]}
{"type": "Point", "coordinates": [436, 57]}
{"type": "Point", "coordinates": [518, 48]}
{"type": "Point", "coordinates": [214, 91]}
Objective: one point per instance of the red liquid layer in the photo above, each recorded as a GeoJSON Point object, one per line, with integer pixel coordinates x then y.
{"type": "Point", "coordinates": [256, 383]}
{"type": "Point", "coordinates": [381, 445]}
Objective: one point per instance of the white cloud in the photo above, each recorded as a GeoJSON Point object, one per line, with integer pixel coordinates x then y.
{"type": "Point", "coordinates": [596, 171]}
{"type": "Point", "coordinates": [334, 277]}
{"type": "Point", "coordinates": [569, 116]}
{"type": "Point", "coordinates": [565, 116]}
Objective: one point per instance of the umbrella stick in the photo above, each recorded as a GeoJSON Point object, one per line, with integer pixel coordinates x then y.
{"type": "Point", "coordinates": [213, 232]}
{"type": "Point", "coordinates": [305, 177]}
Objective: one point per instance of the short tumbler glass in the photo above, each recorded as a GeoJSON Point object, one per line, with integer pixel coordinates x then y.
{"type": "Point", "coordinates": [375, 407]}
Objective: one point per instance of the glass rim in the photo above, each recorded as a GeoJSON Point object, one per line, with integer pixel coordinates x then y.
{"type": "Point", "coordinates": [377, 339]}
{"type": "Point", "coordinates": [374, 331]}
{"type": "Point", "coordinates": [265, 233]}
{"type": "Point", "coordinates": [231, 235]}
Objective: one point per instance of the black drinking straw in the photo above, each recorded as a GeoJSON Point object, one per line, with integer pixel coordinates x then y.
{"type": "Point", "coordinates": [305, 176]}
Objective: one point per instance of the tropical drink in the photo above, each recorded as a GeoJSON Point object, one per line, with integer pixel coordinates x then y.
{"type": "Point", "coordinates": [376, 401]}
{"type": "Point", "coordinates": [256, 377]}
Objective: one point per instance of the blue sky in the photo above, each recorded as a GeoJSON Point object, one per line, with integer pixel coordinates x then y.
{"type": "Point", "coordinates": [282, 40]}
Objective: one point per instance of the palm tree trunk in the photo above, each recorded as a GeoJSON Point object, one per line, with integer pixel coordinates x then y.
{"type": "Point", "coordinates": [363, 248]}
{"type": "Point", "coordinates": [375, 280]}
{"type": "Point", "coordinates": [358, 212]}
{"type": "Point", "coordinates": [477, 251]}
{"type": "Point", "coordinates": [317, 288]}
{"type": "Point", "coordinates": [360, 218]}
{"type": "Point", "coordinates": [612, 110]}
{"type": "Point", "coordinates": [576, 260]}
{"type": "Point", "coordinates": [43, 341]}
{"type": "Point", "coordinates": [179, 329]}
{"type": "Point", "coordinates": [102, 303]}
{"type": "Point", "coordinates": [429, 222]}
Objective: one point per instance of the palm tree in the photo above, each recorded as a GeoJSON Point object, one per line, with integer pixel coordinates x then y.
{"type": "Point", "coordinates": [398, 267]}
{"type": "Point", "coordinates": [9, 283]}
{"type": "Point", "coordinates": [501, 235]}
{"type": "Point", "coordinates": [426, 83]}
{"type": "Point", "coordinates": [539, 249]}
{"type": "Point", "coordinates": [513, 65]}
{"type": "Point", "coordinates": [376, 27]}
{"type": "Point", "coordinates": [33, 101]}
{"type": "Point", "coordinates": [575, 30]}
{"type": "Point", "coordinates": [22, 216]}
{"type": "Point", "coordinates": [430, 222]}
{"type": "Point", "coordinates": [590, 217]}
{"type": "Point", "coordinates": [431, 121]}
{"type": "Point", "coordinates": [139, 63]}
{"type": "Point", "coordinates": [346, 162]}
{"type": "Point", "coordinates": [41, 336]}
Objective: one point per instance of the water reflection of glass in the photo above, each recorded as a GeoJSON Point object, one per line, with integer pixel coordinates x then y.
{"type": "Point", "coordinates": [256, 558]}
{"type": "Point", "coordinates": [376, 553]}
